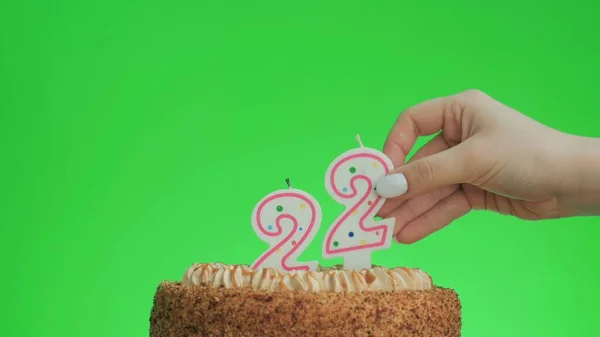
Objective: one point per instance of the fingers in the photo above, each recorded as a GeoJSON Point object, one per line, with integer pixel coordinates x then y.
{"type": "Point", "coordinates": [448, 167]}
{"type": "Point", "coordinates": [420, 120]}
{"type": "Point", "coordinates": [442, 214]}
{"type": "Point", "coordinates": [414, 208]}
{"type": "Point", "coordinates": [423, 119]}
{"type": "Point", "coordinates": [435, 145]}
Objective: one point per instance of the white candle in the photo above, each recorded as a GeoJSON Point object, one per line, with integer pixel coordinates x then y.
{"type": "Point", "coordinates": [350, 180]}
{"type": "Point", "coordinates": [287, 220]}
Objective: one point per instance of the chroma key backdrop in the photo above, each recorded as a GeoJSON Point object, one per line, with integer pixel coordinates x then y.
{"type": "Point", "coordinates": [137, 137]}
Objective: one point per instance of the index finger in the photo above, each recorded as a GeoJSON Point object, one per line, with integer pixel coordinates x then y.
{"type": "Point", "coordinates": [423, 119]}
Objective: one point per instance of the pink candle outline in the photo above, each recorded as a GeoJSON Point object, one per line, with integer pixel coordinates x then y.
{"type": "Point", "coordinates": [345, 216]}
{"type": "Point", "coordinates": [280, 230]}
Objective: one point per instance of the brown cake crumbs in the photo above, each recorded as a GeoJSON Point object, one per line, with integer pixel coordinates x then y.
{"type": "Point", "coordinates": [199, 311]}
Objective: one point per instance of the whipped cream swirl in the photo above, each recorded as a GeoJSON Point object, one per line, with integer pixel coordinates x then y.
{"type": "Point", "coordinates": [323, 280]}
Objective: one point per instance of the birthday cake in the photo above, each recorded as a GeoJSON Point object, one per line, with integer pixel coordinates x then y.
{"type": "Point", "coordinates": [235, 300]}
{"type": "Point", "coordinates": [280, 296]}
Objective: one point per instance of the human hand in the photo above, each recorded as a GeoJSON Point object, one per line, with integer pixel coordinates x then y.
{"type": "Point", "coordinates": [487, 156]}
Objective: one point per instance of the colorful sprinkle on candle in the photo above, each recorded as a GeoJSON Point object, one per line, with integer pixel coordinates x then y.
{"type": "Point", "coordinates": [370, 165]}
{"type": "Point", "coordinates": [266, 217]}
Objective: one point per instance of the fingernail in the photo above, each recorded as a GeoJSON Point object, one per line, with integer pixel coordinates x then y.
{"type": "Point", "coordinates": [392, 186]}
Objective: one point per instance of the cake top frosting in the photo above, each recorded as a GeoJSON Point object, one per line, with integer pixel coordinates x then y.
{"type": "Point", "coordinates": [325, 279]}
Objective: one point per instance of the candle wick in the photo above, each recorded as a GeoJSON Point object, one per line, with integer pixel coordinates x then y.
{"type": "Point", "coordinates": [287, 180]}
{"type": "Point", "coordinates": [359, 141]}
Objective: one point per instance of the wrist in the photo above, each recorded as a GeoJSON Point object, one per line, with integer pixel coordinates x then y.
{"type": "Point", "coordinates": [580, 189]}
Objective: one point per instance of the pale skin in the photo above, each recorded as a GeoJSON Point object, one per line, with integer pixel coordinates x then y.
{"type": "Point", "coordinates": [485, 156]}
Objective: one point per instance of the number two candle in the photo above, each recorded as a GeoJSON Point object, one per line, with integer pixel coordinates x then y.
{"type": "Point", "coordinates": [287, 220]}
{"type": "Point", "coordinates": [350, 180]}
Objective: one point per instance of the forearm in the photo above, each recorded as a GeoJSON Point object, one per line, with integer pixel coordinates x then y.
{"type": "Point", "coordinates": [580, 193]}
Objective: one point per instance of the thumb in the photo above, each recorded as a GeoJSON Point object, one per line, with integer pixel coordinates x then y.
{"type": "Point", "coordinates": [426, 174]}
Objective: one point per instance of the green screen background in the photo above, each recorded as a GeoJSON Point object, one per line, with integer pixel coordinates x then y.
{"type": "Point", "coordinates": [137, 136]}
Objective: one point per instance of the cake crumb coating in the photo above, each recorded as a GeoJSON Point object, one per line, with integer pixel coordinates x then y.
{"type": "Point", "coordinates": [201, 311]}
